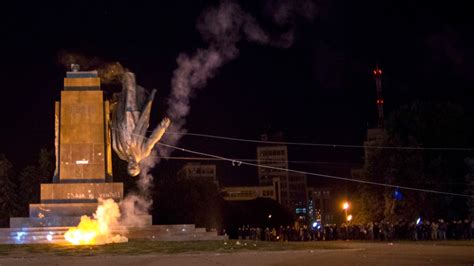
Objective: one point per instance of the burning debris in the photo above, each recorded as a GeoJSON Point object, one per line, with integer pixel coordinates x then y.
{"type": "Point", "coordinates": [97, 230]}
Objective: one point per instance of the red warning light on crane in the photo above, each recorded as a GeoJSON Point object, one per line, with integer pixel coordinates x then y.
{"type": "Point", "coordinates": [377, 72]}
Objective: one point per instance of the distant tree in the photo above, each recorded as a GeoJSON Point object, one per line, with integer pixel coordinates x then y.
{"type": "Point", "coordinates": [29, 188]}
{"type": "Point", "coordinates": [470, 187]}
{"type": "Point", "coordinates": [437, 125]}
{"type": "Point", "coordinates": [31, 177]}
{"type": "Point", "coordinates": [388, 166]}
{"type": "Point", "coordinates": [188, 201]}
{"type": "Point", "coordinates": [8, 191]}
{"type": "Point", "coordinates": [46, 165]}
{"type": "Point", "coordinates": [417, 125]}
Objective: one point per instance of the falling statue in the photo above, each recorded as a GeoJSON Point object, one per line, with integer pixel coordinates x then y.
{"type": "Point", "coordinates": [130, 120]}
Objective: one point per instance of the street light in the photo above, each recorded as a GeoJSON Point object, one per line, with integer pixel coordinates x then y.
{"type": "Point", "coordinates": [349, 217]}
{"type": "Point", "coordinates": [345, 206]}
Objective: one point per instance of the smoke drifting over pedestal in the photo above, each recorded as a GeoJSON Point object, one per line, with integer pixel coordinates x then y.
{"type": "Point", "coordinates": [109, 72]}
{"type": "Point", "coordinates": [223, 27]}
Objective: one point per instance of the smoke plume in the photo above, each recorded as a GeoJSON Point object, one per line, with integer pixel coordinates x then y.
{"type": "Point", "coordinates": [223, 27]}
{"type": "Point", "coordinates": [109, 72]}
{"type": "Point", "coordinates": [135, 210]}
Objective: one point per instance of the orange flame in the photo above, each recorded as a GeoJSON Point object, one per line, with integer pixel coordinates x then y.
{"type": "Point", "coordinates": [97, 230]}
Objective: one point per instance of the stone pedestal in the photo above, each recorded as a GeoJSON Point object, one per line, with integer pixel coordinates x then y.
{"type": "Point", "coordinates": [83, 157]}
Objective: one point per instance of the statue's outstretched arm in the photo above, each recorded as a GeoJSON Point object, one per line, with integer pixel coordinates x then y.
{"type": "Point", "coordinates": [156, 135]}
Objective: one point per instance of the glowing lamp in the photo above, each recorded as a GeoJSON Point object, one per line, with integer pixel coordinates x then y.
{"type": "Point", "coordinates": [345, 206]}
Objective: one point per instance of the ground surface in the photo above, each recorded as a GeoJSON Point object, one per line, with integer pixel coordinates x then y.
{"type": "Point", "coordinates": [260, 253]}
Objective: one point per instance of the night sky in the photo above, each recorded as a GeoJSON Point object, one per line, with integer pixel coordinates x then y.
{"type": "Point", "coordinates": [318, 90]}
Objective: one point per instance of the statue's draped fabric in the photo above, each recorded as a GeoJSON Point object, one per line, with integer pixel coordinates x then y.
{"type": "Point", "coordinates": [130, 120]}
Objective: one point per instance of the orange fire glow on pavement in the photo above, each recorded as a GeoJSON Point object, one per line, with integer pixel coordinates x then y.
{"type": "Point", "coordinates": [97, 230]}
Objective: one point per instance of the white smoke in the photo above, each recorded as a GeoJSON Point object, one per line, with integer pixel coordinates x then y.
{"type": "Point", "coordinates": [135, 207]}
{"type": "Point", "coordinates": [223, 27]}
{"type": "Point", "coordinates": [135, 210]}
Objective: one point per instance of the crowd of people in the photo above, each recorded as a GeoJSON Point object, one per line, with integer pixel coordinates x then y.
{"type": "Point", "coordinates": [383, 231]}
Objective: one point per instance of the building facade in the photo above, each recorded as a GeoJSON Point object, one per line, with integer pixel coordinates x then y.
{"type": "Point", "coordinates": [321, 206]}
{"type": "Point", "coordinates": [252, 192]}
{"type": "Point", "coordinates": [273, 164]}
{"type": "Point", "coordinates": [198, 171]}
{"type": "Point", "coordinates": [297, 193]}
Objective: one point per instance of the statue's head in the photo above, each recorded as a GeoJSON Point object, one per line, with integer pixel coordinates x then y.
{"type": "Point", "coordinates": [133, 168]}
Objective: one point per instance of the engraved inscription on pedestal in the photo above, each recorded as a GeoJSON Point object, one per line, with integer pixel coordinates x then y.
{"type": "Point", "coordinates": [84, 191]}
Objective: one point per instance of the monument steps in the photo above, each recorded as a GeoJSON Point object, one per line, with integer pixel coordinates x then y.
{"type": "Point", "coordinates": [55, 235]}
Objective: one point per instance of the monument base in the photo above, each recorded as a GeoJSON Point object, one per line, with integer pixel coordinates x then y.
{"type": "Point", "coordinates": [55, 235]}
{"type": "Point", "coordinates": [59, 221]}
{"type": "Point", "coordinates": [62, 209]}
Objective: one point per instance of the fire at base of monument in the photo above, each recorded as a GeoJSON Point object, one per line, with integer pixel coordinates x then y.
{"type": "Point", "coordinates": [98, 230]}
{"type": "Point", "coordinates": [110, 222]}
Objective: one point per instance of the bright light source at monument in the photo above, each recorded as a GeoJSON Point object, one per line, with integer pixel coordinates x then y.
{"type": "Point", "coordinates": [418, 221]}
{"type": "Point", "coordinates": [315, 224]}
{"type": "Point", "coordinates": [19, 235]}
{"type": "Point", "coordinates": [269, 216]}
{"type": "Point", "coordinates": [349, 217]}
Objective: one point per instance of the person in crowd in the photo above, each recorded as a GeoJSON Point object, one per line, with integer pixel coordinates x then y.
{"type": "Point", "coordinates": [434, 231]}
{"type": "Point", "coordinates": [442, 228]}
